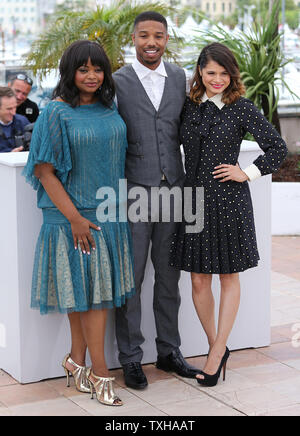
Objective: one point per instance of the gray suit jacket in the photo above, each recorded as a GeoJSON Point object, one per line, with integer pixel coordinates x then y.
{"type": "Point", "coordinates": [153, 136]}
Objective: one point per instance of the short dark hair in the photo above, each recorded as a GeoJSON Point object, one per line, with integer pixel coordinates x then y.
{"type": "Point", "coordinates": [76, 55]}
{"type": "Point", "coordinates": [151, 16]}
{"type": "Point", "coordinates": [223, 56]}
{"type": "Point", "coordinates": [5, 91]}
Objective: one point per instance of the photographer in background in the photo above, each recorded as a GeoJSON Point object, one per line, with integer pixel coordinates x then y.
{"type": "Point", "coordinates": [21, 84]}
{"type": "Point", "coordinates": [15, 130]}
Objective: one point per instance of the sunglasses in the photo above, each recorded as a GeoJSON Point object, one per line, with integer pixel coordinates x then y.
{"type": "Point", "coordinates": [24, 78]}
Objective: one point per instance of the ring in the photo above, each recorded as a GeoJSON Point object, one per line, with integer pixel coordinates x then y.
{"type": "Point", "coordinates": [79, 240]}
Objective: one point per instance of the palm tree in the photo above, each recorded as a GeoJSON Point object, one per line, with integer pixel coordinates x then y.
{"type": "Point", "coordinates": [110, 25]}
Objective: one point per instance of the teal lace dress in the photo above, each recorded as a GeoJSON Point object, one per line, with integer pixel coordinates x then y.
{"type": "Point", "coordinates": [87, 147]}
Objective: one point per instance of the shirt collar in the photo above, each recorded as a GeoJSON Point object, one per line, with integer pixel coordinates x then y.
{"type": "Point", "coordinates": [216, 99]}
{"type": "Point", "coordinates": [5, 125]}
{"type": "Point", "coordinates": [143, 71]}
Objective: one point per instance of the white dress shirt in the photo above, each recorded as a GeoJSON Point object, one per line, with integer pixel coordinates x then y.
{"type": "Point", "coordinates": [251, 171]}
{"type": "Point", "coordinates": [153, 81]}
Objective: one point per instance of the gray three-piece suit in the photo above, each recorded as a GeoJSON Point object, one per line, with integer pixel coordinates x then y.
{"type": "Point", "coordinates": [153, 154]}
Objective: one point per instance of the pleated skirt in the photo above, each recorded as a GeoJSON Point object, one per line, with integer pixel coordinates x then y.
{"type": "Point", "coordinates": [66, 280]}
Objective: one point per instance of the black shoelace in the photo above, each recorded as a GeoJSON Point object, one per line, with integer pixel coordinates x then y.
{"type": "Point", "coordinates": [137, 368]}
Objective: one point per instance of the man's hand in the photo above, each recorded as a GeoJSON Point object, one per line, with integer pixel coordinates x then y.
{"type": "Point", "coordinates": [15, 150]}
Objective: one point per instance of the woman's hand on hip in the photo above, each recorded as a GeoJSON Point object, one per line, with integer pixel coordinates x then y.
{"type": "Point", "coordinates": [227, 172]}
{"type": "Point", "coordinates": [82, 235]}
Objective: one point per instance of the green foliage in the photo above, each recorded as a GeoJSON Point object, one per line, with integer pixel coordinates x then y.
{"type": "Point", "coordinates": [110, 25]}
{"type": "Point", "coordinates": [260, 59]}
{"type": "Point", "coordinates": [292, 19]}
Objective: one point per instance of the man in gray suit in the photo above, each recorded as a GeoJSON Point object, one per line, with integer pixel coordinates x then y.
{"type": "Point", "coordinates": [151, 95]}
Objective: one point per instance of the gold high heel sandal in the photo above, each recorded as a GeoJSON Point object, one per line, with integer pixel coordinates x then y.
{"type": "Point", "coordinates": [103, 386]}
{"type": "Point", "coordinates": [79, 374]}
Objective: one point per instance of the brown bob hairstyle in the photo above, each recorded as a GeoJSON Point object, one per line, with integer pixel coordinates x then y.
{"type": "Point", "coordinates": [220, 54]}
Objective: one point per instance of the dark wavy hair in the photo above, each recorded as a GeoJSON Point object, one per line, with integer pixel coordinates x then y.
{"type": "Point", "coordinates": [220, 54]}
{"type": "Point", "coordinates": [76, 55]}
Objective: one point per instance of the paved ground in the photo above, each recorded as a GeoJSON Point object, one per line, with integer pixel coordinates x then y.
{"type": "Point", "coordinates": [263, 381]}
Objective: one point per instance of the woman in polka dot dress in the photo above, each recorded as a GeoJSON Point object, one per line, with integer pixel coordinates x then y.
{"type": "Point", "coordinates": [215, 120]}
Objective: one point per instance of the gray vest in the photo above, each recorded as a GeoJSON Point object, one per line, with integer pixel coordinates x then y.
{"type": "Point", "coordinates": [153, 136]}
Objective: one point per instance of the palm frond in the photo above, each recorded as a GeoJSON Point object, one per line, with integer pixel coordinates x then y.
{"type": "Point", "coordinates": [110, 25]}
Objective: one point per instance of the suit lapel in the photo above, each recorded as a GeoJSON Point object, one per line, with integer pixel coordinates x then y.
{"type": "Point", "coordinates": [164, 98]}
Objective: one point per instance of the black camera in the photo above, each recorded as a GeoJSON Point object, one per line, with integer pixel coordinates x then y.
{"type": "Point", "coordinates": [23, 140]}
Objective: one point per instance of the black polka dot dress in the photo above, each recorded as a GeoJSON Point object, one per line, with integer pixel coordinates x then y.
{"type": "Point", "coordinates": [212, 136]}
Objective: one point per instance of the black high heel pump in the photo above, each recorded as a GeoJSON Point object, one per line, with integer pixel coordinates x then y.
{"type": "Point", "coordinates": [212, 380]}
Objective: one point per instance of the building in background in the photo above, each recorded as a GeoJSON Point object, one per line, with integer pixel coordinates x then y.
{"type": "Point", "coordinates": [214, 9]}
{"type": "Point", "coordinates": [29, 16]}
{"type": "Point", "coordinates": [81, 4]}
{"type": "Point", "coordinates": [19, 16]}
{"type": "Point", "coordinates": [45, 9]}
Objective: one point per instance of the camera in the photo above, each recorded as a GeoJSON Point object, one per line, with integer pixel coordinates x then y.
{"type": "Point", "coordinates": [23, 140]}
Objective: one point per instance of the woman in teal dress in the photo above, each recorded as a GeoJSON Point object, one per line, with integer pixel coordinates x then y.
{"type": "Point", "coordinates": [82, 267]}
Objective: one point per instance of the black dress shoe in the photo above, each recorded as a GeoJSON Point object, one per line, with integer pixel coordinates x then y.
{"type": "Point", "coordinates": [134, 375]}
{"type": "Point", "coordinates": [175, 362]}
